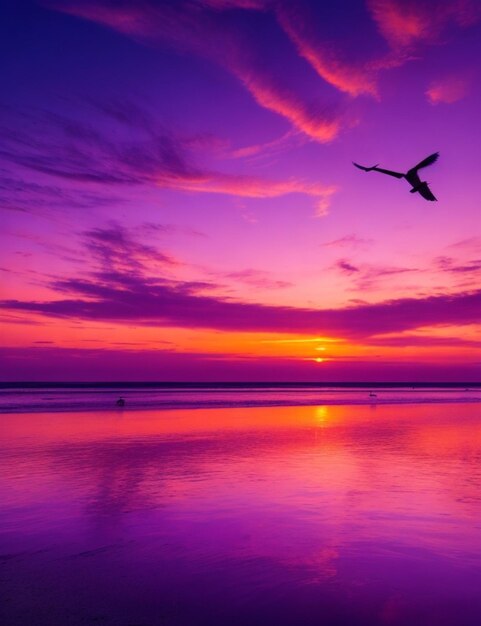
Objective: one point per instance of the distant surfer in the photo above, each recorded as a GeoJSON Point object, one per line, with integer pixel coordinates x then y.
{"type": "Point", "coordinates": [120, 402]}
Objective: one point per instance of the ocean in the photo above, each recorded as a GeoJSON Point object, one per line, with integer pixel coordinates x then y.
{"type": "Point", "coordinates": [333, 507]}
{"type": "Point", "coordinates": [91, 397]}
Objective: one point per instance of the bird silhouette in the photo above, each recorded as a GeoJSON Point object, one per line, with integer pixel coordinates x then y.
{"type": "Point", "coordinates": [411, 176]}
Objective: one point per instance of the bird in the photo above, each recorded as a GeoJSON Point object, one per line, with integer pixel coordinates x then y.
{"type": "Point", "coordinates": [412, 176]}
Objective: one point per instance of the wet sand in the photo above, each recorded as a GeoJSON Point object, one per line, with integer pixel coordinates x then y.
{"type": "Point", "coordinates": [289, 515]}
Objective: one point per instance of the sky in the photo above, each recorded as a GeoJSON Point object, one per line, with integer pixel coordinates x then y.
{"type": "Point", "coordinates": [178, 200]}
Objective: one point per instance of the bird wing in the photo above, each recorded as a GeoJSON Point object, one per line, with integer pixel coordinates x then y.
{"type": "Point", "coordinates": [388, 172]}
{"type": "Point", "coordinates": [378, 169]}
{"type": "Point", "coordinates": [361, 167]}
{"type": "Point", "coordinates": [426, 193]}
{"type": "Point", "coordinates": [432, 158]}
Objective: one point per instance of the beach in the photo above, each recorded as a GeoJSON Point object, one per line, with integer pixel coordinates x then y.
{"type": "Point", "coordinates": [354, 513]}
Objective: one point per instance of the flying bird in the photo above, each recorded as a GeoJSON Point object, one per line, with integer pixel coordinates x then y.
{"type": "Point", "coordinates": [411, 176]}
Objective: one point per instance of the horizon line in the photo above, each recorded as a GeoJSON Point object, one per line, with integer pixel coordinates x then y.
{"type": "Point", "coordinates": [105, 383]}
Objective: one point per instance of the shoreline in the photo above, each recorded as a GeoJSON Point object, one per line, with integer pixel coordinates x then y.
{"type": "Point", "coordinates": [36, 409]}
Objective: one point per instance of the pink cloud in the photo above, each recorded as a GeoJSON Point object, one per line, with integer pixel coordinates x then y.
{"type": "Point", "coordinates": [447, 90]}
{"type": "Point", "coordinates": [257, 278]}
{"type": "Point", "coordinates": [367, 276]}
{"type": "Point", "coordinates": [470, 244]}
{"type": "Point", "coordinates": [320, 123]}
{"type": "Point", "coordinates": [345, 267]}
{"type": "Point", "coordinates": [204, 32]}
{"type": "Point", "coordinates": [163, 160]}
{"type": "Point", "coordinates": [269, 148]}
{"type": "Point", "coordinates": [352, 78]}
{"type": "Point", "coordinates": [250, 187]}
{"type": "Point", "coordinates": [349, 241]}
{"type": "Point", "coordinates": [448, 264]}
{"type": "Point", "coordinates": [407, 22]}
{"type": "Point", "coordinates": [235, 4]}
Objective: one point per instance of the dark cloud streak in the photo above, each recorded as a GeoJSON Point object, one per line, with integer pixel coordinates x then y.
{"type": "Point", "coordinates": [134, 299]}
{"type": "Point", "coordinates": [128, 284]}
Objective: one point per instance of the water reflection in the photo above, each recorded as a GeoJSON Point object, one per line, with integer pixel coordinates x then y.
{"type": "Point", "coordinates": [328, 514]}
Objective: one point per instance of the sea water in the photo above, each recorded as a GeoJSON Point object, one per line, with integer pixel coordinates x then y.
{"type": "Point", "coordinates": [334, 514]}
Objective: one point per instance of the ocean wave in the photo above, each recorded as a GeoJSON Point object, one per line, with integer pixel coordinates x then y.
{"type": "Point", "coordinates": [20, 400]}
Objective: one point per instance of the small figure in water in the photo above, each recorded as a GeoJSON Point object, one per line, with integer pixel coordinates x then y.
{"type": "Point", "coordinates": [373, 395]}
{"type": "Point", "coordinates": [120, 402]}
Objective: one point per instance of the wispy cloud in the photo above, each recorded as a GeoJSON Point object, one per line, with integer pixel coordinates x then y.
{"type": "Point", "coordinates": [211, 29]}
{"type": "Point", "coordinates": [161, 159]}
{"type": "Point", "coordinates": [25, 196]}
{"type": "Point", "coordinates": [423, 341]}
{"type": "Point", "coordinates": [405, 23]}
{"type": "Point", "coordinates": [116, 250]}
{"type": "Point", "coordinates": [447, 90]}
{"type": "Point", "coordinates": [205, 30]}
{"type": "Point", "coordinates": [252, 187]}
{"type": "Point", "coordinates": [366, 276]}
{"type": "Point", "coordinates": [470, 244]}
{"type": "Point", "coordinates": [346, 267]}
{"type": "Point", "coordinates": [118, 289]}
{"type": "Point", "coordinates": [354, 78]}
{"type": "Point", "coordinates": [157, 228]}
{"type": "Point", "coordinates": [449, 264]}
{"type": "Point", "coordinates": [349, 241]}
{"type": "Point", "coordinates": [321, 122]}
{"type": "Point", "coordinates": [268, 148]}
{"type": "Point", "coordinates": [258, 279]}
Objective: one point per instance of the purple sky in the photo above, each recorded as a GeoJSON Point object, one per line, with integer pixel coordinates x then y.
{"type": "Point", "coordinates": [178, 198]}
